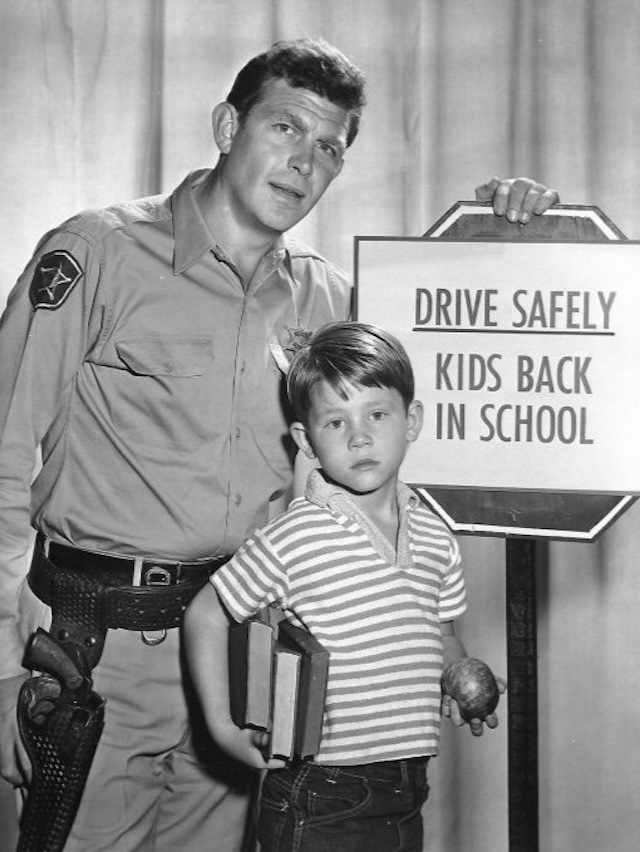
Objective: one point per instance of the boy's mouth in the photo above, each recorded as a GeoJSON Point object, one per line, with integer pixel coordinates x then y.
{"type": "Point", "coordinates": [364, 464]}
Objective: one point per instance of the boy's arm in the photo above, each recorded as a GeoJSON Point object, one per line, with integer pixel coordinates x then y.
{"type": "Point", "coordinates": [206, 630]}
{"type": "Point", "coordinates": [452, 647]}
{"type": "Point", "coordinates": [453, 650]}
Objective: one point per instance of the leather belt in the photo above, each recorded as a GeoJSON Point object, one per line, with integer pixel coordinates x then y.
{"type": "Point", "coordinates": [159, 604]}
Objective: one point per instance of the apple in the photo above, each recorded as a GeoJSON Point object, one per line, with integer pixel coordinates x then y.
{"type": "Point", "coordinates": [472, 684]}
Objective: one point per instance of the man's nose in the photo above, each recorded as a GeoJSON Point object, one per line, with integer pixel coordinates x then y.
{"type": "Point", "coordinates": [302, 158]}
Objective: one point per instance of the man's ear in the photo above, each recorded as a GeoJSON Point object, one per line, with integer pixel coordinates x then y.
{"type": "Point", "coordinates": [225, 123]}
{"type": "Point", "coordinates": [299, 435]}
{"type": "Point", "coordinates": [415, 416]}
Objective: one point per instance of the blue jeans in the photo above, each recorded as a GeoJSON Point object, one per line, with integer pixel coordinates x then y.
{"type": "Point", "coordinates": [308, 807]}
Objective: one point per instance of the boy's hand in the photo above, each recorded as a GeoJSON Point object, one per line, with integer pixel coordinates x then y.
{"type": "Point", "coordinates": [246, 745]}
{"type": "Point", "coordinates": [452, 711]}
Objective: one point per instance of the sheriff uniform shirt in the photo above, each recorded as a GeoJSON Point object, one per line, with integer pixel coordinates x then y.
{"type": "Point", "coordinates": [132, 353]}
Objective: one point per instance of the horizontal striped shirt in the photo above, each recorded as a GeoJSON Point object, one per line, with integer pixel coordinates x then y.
{"type": "Point", "coordinates": [376, 610]}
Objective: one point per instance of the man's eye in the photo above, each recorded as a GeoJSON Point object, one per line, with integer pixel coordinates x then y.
{"type": "Point", "coordinates": [283, 127]}
{"type": "Point", "coordinates": [329, 150]}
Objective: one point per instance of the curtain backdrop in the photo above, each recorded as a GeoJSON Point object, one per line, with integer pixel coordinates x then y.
{"type": "Point", "coordinates": [103, 100]}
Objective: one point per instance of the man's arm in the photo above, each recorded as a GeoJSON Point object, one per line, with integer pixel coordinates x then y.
{"type": "Point", "coordinates": [206, 630]}
{"type": "Point", "coordinates": [517, 198]}
{"type": "Point", "coordinates": [43, 339]}
{"type": "Point", "coordinates": [15, 763]}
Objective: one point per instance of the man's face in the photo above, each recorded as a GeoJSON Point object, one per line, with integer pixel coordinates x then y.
{"type": "Point", "coordinates": [283, 156]}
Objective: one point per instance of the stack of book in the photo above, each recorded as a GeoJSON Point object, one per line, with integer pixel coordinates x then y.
{"type": "Point", "coordinates": [277, 683]}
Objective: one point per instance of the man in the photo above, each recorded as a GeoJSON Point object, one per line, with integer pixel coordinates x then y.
{"type": "Point", "coordinates": [138, 353]}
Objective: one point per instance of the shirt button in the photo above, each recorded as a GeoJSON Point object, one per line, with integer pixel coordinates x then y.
{"type": "Point", "coordinates": [238, 432]}
{"type": "Point", "coordinates": [238, 499]}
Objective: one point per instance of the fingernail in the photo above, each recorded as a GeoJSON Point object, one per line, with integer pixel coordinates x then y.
{"type": "Point", "coordinates": [525, 218]}
{"type": "Point", "coordinates": [512, 215]}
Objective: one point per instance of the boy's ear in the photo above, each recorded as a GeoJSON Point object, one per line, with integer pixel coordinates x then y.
{"type": "Point", "coordinates": [415, 416]}
{"type": "Point", "coordinates": [224, 122]}
{"type": "Point", "coordinates": [299, 435]}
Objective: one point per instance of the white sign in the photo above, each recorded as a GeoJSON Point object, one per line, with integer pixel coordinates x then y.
{"type": "Point", "coordinates": [526, 355]}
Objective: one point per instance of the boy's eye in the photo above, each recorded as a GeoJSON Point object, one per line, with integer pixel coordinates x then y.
{"type": "Point", "coordinates": [334, 424]}
{"type": "Point", "coordinates": [378, 415]}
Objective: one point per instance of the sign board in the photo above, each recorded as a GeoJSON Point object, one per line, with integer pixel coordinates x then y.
{"type": "Point", "coordinates": [527, 361]}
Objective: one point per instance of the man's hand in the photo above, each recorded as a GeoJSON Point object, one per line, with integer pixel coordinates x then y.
{"type": "Point", "coordinates": [452, 711]}
{"type": "Point", "coordinates": [15, 766]}
{"type": "Point", "coordinates": [517, 198]}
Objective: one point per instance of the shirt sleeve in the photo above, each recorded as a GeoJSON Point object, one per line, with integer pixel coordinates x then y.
{"type": "Point", "coordinates": [44, 335]}
{"type": "Point", "coordinates": [252, 579]}
{"type": "Point", "coordinates": [453, 594]}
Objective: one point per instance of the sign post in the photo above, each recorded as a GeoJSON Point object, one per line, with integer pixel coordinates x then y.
{"type": "Point", "coordinates": [526, 356]}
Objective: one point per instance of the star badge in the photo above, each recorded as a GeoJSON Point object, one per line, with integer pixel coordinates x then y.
{"type": "Point", "coordinates": [54, 278]}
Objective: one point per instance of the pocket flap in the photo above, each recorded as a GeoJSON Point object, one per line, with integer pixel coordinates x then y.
{"type": "Point", "coordinates": [166, 356]}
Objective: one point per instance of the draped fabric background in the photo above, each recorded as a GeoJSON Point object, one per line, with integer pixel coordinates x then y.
{"type": "Point", "coordinates": [103, 100]}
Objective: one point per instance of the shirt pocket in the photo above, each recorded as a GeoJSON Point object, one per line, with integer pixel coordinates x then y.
{"type": "Point", "coordinates": [165, 393]}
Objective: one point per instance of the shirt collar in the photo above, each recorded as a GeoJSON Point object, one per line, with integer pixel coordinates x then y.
{"type": "Point", "coordinates": [193, 239]}
{"type": "Point", "coordinates": [191, 234]}
{"type": "Point", "coordinates": [323, 493]}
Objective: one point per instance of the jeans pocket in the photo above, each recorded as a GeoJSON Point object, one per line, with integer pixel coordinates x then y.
{"type": "Point", "coordinates": [276, 816]}
{"type": "Point", "coordinates": [276, 791]}
{"type": "Point", "coordinates": [333, 801]}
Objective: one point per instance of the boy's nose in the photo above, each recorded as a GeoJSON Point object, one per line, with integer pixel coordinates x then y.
{"type": "Point", "coordinates": [359, 438]}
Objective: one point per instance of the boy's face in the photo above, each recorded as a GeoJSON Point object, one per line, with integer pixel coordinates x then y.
{"type": "Point", "coordinates": [360, 441]}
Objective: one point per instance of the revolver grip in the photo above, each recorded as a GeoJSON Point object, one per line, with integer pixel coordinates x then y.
{"type": "Point", "coordinates": [45, 654]}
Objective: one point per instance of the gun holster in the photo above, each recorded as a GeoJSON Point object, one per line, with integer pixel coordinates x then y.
{"type": "Point", "coordinates": [60, 717]}
{"type": "Point", "coordinates": [60, 744]}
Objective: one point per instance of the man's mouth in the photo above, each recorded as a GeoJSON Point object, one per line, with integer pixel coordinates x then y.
{"type": "Point", "coordinates": [287, 191]}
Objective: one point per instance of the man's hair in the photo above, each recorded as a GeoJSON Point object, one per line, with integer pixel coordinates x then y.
{"type": "Point", "coordinates": [348, 353]}
{"type": "Point", "coordinates": [304, 64]}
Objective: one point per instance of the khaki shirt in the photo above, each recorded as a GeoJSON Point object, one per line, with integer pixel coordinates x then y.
{"type": "Point", "coordinates": [146, 374]}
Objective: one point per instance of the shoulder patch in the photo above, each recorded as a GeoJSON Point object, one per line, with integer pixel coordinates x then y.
{"type": "Point", "coordinates": [54, 278]}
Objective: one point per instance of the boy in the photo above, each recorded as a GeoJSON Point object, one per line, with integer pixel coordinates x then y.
{"type": "Point", "coordinates": [376, 577]}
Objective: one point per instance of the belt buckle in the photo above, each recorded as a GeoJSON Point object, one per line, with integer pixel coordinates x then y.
{"type": "Point", "coordinates": [155, 575]}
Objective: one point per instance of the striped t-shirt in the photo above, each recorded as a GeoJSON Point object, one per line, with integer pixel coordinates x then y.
{"type": "Point", "coordinates": [377, 612]}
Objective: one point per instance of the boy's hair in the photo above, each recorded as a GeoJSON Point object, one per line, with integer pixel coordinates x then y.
{"type": "Point", "coordinates": [348, 353]}
{"type": "Point", "coordinates": [304, 64]}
